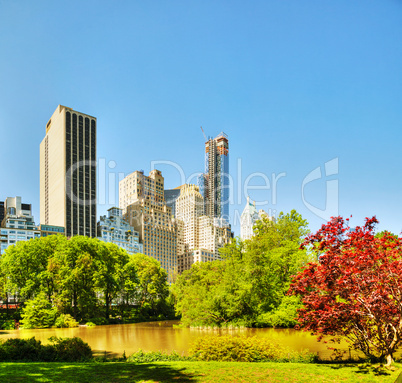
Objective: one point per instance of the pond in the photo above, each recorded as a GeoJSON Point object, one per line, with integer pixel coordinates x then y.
{"type": "Point", "coordinates": [155, 336]}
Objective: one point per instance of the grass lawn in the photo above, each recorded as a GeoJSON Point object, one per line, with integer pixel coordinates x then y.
{"type": "Point", "coordinates": [224, 372]}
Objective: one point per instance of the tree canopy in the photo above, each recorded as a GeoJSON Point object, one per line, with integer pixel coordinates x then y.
{"type": "Point", "coordinates": [355, 289]}
{"type": "Point", "coordinates": [81, 276]}
{"type": "Point", "coordinates": [249, 286]}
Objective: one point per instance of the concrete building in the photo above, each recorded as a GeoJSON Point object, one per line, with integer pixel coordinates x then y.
{"type": "Point", "coordinates": [214, 183]}
{"type": "Point", "coordinates": [248, 219]}
{"type": "Point", "coordinates": [68, 172]}
{"type": "Point", "coordinates": [115, 229]}
{"type": "Point", "coordinates": [189, 207]}
{"type": "Point", "coordinates": [136, 186]}
{"type": "Point", "coordinates": [18, 223]}
{"type": "Point", "coordinates": [202, 236]}
{"type": "Point", "coordinates": [142, 201]}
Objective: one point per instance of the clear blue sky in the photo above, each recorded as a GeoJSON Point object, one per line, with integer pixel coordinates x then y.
{"type": "Point", "coordinates": [294, 84]}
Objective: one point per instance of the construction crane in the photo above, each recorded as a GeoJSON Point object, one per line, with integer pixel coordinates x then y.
{"type": "Point", "coordinates": [204, 134]}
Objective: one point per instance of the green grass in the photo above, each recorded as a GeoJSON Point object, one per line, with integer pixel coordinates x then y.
{"type": "Point", "coordinates": [224, 372]}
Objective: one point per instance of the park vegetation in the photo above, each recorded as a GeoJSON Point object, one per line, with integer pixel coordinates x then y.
{"type": "Point", "coordinates": [355, 290]}
{"type": "Point", "coordinates": [248, 288]}
{"type": "Point", "coordinates": [60, 282]}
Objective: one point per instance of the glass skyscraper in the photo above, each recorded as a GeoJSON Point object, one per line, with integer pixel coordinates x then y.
{"type": "Point", "coordinates": [214, 183]}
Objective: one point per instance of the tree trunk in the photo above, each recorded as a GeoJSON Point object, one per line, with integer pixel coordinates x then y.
{"type": "Point", "coordinates": [389, 361]}
{"type": "Point", "coordinates": [107, 301]}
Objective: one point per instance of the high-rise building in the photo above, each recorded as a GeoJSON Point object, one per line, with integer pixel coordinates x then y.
{"type": "Point", "coordinates": [248, 219]}
{"type": "Point", "coordinates": [68, 172]}
{"type": "Point", "coordinates": [189, 207]}
{"type": "Point", "coordinates": [1, 211]}
{"type": "Point", "coordinates": [137, 186]}
{"type": "Point", "coordinates": [171, 196]}
{"type": "Point", "coordinates": [202, 236]}
{"type": "Point", "coordinates": [142, 200]}
{"type": "Point", "coordinates": [113, 228]}
{"type": "Point", "coordinates": [18, 223]}
{"type": "Point", "coordinates": [214, 183]}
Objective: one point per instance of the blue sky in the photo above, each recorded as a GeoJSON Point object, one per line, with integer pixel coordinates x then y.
{"type": "Point", "coordinates": [294, 84]}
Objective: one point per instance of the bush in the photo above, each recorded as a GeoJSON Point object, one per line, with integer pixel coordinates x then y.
{"type": "Point", "coordinates": [90, 324]}
{"type": "Point", "coordinates": [38, 313]}
{"type": "Point", "coordinates": [8, 324]}
{"type": "Point", "coordinates": [99, 321]}
{"type": "Point", "coordinates": [156, 356]}
{"type": "Point", "coordinates": [71, 349]}
{"type": "Point", "coordinates": [66, 321]}
{"type": "Point", "coordinates": [245, 349]}
{"type": "Point", "coordinates": [32, 350]}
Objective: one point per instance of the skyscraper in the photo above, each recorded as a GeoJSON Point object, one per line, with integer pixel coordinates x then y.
{"type": "Point", "coordinates": [214, 183]}
{"type": "Point", "coordinates": [141, 199]}
{"type": "Point", "coordinates": [68, 172]}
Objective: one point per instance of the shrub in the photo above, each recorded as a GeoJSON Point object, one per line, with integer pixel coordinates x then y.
{"type": "Point", "coordinates": [156, 356]}
{"type": "Point", "coordinates": [66, 321]}
{"type": "Point", "coordinates": [38, 313]}
{"type": "Point", "coordinates": [245, 349]}
{"type": "Point", "coordinates": [90, 324]}
{"type": "Point", "coordinates": [8, 324]}
{"type": "Point", "coordinates": [99, 321]}
{"type": "Point", "coordinates": [32, 350]}
{"type": "Point", "coordinates": [71, 349]}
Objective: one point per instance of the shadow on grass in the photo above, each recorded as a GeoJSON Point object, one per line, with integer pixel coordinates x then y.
{"type": "Point", "coordinates": [93, 372]}
{"type": "Point", "coordinates": [364, 369]}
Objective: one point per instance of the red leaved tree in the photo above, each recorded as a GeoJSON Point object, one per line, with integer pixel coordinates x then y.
{"type": "Point", "coordinates": [355, 288]}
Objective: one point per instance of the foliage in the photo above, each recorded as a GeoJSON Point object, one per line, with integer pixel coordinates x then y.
{"type": "Point", "coordinates": [251, 281]}
{"type": "Point", "coordinates": [98, 321]}
{"type": "Point", "coordinates": [156, 356]}
{"type": "Point", "coordinates": [84, 277]}
{"type": "Point", "coordinates": [39, 313]}
{"type": "Point", "coordinates": [245, 349]}
{"type": "Point", "coordinates": [60, 349]}
{"type": "Point", "coordinates": [65, 321]}
{"type": "Point", "coordinates": [8, 324]}
{"type": "Point", "coordinates": [355, 290]}
{"type": "Point", "coordinates": [283, 316]}
{"type": "Point", "coordinates": [70, 349]}
{"type": "Point", "coordinates": [90, 324]}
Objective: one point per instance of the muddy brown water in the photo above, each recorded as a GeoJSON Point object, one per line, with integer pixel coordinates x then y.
{"type": "Point", "coordinates": [164, 336]}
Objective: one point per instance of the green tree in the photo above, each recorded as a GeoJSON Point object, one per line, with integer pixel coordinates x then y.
{"type": "Point", "coordinates": [110, 272]}
{"type": "Point", "coordinates": [26, 267]}
{"type": "Point", "coordinates": [152, 289]}
{"type": "Point", "coordinates": [75, 267]}
{"type": "Point", "coordinates": [252, 279]}
{"type": "Point", "coordinates": [38, 313]}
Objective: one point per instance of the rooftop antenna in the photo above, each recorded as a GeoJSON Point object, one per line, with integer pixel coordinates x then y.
{"type": "Point", "coordinates": [204, 134]}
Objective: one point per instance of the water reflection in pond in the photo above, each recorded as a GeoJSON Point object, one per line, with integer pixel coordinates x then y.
{"type": "Point", "coordinates": [154, 336]}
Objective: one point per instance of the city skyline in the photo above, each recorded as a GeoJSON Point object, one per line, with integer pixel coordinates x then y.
{"type": "Point", "coordinates": [294, 86]}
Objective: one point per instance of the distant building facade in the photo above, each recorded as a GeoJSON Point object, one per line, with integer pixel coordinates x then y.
{"type": "Point", "coordinates": [202, 236]}
{"type": "Point", "coordinates": [171, 196]}
{"type": "Point", "coordinates": [137, 186]}
{"type": "Point", "coordinates": [68, 173]}
{"type": "Point", "coordinates": [18, 223]}
{"type": "Point", "coordinates": [113, 228]}
{"type": "Point", "coordinates": [214, 183]}
{"type": "Point", "coordinates": [142, 200]}
{"type": "Point", "coordinates": [46, 230]}
{"type": "Point", "coordinates": [248, 219]}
